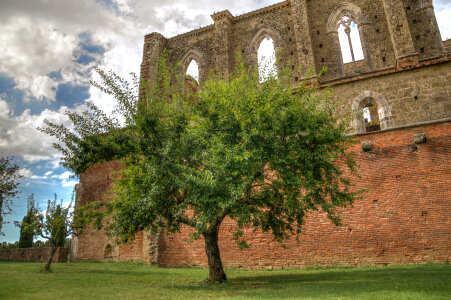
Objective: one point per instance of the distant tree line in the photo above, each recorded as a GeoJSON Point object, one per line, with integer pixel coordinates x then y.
{"type": "Point", "coordinates": [35, 244]}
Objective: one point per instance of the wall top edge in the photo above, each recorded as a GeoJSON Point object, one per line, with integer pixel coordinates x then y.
{"type": "Point", "coordinates": [234, 20]}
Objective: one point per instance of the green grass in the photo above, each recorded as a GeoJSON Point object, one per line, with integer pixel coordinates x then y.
{"type": "Point", "coordinates": [90, 280]}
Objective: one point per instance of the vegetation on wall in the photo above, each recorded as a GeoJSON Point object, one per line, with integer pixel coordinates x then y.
{"type": "Point", "coordinates": [261, 153]}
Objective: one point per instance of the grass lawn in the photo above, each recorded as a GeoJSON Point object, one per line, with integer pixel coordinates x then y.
{"type": "Point", "coordinates": [91, 280]}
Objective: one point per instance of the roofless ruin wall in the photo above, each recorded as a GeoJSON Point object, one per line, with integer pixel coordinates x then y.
{"type": "Point", "coordinates": [405, 74]}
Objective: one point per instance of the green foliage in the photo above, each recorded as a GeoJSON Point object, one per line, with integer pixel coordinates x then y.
{"type": "Point", "coordinates": [46, 244]}
{"type": "Point", "coordinates": [6, 245]}
{"type": "Point", "coordinates": [262, 153]}
{"type": "Point", "coordinates": [9, 181]}
{"type": "Point", "coordinates": [54, 224]}
{"type": "Point", "coordinates": [26, 237]}
{"type": "Point", "coordinates": [26, 234]}
{"type": "Point", "coordinates": [36, 244]}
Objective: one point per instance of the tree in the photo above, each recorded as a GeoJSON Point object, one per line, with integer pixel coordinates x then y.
{"type": "Point", "coordinates": [26, 236]}
{"type": "Point", "coordinates": [9, 181]}
{"type": "Point", "coordinates": [262, 154]}
{"type": "Point", "coordinates": [55, 224]}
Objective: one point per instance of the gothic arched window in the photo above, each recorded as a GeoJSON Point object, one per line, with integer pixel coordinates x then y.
{"type": "Point", "coordinates": [350, 41]}
{"type": "Point", "coordinates": [266, 59]}
{"type": "Point", "coordinates": [193, 70]}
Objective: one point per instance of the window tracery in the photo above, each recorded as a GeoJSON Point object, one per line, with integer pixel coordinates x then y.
{"type": "Point", "coordinates": [350, 41]}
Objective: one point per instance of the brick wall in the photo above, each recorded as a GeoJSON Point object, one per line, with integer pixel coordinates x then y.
{"type": "Point", "coordinates": [94, 186]}
{"type": "Point", "coordinates": [403, 218]}
{"type": "Point", "coordinates": [33, 254]}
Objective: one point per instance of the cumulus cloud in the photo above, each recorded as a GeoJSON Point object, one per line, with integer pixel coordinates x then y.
{"type": "Point", "coordinates": [443, 14]}
{"type": "Point", "coordinates": [38, 38]}
{"type": "Point", "coordinates": [69, 183]}
{"type": "Point", "coordinates": [65, 175]}
{"type": "Point", "coordinates": [26, 173]}
{"type": "Point", "coordinates": [19, 136]}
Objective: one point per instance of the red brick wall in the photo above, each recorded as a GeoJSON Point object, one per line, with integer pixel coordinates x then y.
{"type": "Point", "coordinates": [95, 185]}
{"type": "Point", "coordinates": [410, 223]}
{"type": "Point", "coordinates": [33, 254]}
{"type": "Point", "coordinates": [404, 216]}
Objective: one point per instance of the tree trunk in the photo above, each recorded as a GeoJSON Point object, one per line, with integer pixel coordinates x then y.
{"type": "Point", "coordinates": [49, 261]}
{"type": "Point", "coordinates": [214, 259]}
{"type": "Point", "coordinates": [1, 212]}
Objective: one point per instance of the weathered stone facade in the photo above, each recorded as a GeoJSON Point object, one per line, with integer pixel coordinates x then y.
{"type": "Point", "coordinates": [404, 216]}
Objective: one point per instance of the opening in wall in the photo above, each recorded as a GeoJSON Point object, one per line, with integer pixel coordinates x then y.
{"type": "Point", "coordinates": [266, 59]}
{"type": "Point", "coordinates": [193, 70]}
{"type": "Point", "coordinates": [350, 42]}
{"type": "Point", "coordinates": [373, 113]}
{"type": "Point", "coordinates": [371, 118]}
{"type": "Point", "coordinates": [108, 253]}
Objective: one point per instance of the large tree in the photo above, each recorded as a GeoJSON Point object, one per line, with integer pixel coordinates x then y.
{"type": "Point", "coordinates": [261, 153]}
{"type": "Point", "coordinates": [9, 181]}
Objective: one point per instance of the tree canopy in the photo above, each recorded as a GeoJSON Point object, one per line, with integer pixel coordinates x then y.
{"type": "Point", "coordinates": [261, 153]}
{"type": "Point", "coordinates": [26, 235]}
{"type": "Point", "coordinates": [9, 181]}
{"type": "Point", "coordinates": [54, 224]}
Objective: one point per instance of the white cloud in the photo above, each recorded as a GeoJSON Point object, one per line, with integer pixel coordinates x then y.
{"type": "Point", "coordinates": [443, 19]}
{"type": "Point", "coordinates": [26, 173]}
{"type": "Point", "coordinates": [65, 175]}
{"type": "Point", "coordinates": [66, 179]}
{"type": "Point", "coordinates": [19, 136]}
{"type": "Point", "coordinates": [48, 173]}
{"type": "Point", "coordinates": [69, 183]}
{"type": "Point", "coordinates": [40, 37]}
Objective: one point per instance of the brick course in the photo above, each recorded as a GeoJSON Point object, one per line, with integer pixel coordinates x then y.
{"type": "Point", "coordinates": [404, 216]}
{"type": "Point", "coordinates": [34, 254]}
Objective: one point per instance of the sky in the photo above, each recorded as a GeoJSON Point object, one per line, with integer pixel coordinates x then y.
{"type": "Point", "coordinates": [47, 51]}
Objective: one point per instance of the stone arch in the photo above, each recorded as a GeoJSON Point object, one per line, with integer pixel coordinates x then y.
{"type": "Point", "coordinates": [260, 35]}
{"type": "Point", "coordinates": [355, 13]}
{"type": "Point", "coordinates": [257, 38]}
{"type": "Point", "coordinates": [383, 110]}
{"type": "Point", "coordinates": [349, 9]}
{"type": "Point", "coordinates": [196, 55]}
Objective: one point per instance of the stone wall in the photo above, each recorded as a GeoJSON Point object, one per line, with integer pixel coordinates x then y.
{"type": "Point", "coordinates": [394, 33]}
{"type": "Point", "coordinates": [34, 254]}
{"type": "Point", "coordinates": [406, 74]}
{"type": "Point", "coordinates": [410, 96]}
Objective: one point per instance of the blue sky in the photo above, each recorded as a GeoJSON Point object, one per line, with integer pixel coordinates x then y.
{"type": "Point", "coordinates": [47, 51]}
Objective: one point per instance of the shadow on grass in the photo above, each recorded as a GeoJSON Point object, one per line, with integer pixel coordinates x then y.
{"type": "Point", "coordinates": [323, 283]}
{"type": "Point", "coordinates": [128, 269]}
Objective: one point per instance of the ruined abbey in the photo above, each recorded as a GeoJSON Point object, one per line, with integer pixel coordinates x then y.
{"type": "Point", "coordinates": [385, 59]}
